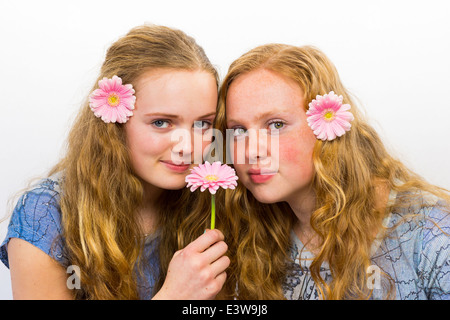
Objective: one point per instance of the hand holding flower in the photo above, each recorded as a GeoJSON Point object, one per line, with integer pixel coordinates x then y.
{"type": "Point", "coordinates": [198, 270]}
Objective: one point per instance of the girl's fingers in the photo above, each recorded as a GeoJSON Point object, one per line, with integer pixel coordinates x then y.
{"type": "Point", "coordinates": [221, 278]}
{"type": "Point", "coordinates": [216, 251]}
{"type": "Point", "coordinates": [205, 240]}
{"type": "Point", "coordinates": [219, 266]}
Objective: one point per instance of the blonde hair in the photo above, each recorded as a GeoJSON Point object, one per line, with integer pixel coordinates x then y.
{"type": "Point", "coordinates": [100, 192]}
{"type": "Point", "coordinates": [347, 173]}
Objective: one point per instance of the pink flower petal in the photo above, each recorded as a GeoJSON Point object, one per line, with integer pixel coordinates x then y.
{"type": "Point", "coordinates": [98, 101]}
{"type": "Point", "coordinates": [330, 135]}
{"type": "Point", "coordinates": [337, 129]}
{"type": "Point", "coordinates": [211, 177]}
{"type": "Point", "coordinates": [329, 129]}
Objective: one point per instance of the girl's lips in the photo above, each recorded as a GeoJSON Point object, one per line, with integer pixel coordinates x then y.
{"type": "Point", "coordinates": [176, 167]}
{"type": "Point", "coordinates": [261, 178]}
{"type": "Point", "coordinates": [260, 175]}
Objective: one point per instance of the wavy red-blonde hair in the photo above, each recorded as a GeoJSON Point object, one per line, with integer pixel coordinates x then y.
{"type": "Point", "coordinates": [100, 191]}
{"type": "Point", "coordinates": [348, 172]}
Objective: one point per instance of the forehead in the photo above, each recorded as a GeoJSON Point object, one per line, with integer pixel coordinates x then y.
{"type": "Point", "coordinates": [262, 91]}
{"type": "Point", "coordinates": [176, 90]}
{"type": "Point", "coordinates": [174, 81]}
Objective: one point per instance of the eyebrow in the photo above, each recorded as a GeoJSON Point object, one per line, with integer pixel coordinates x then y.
{"type": "Point", "coordinates": [262, 115]}
{"type": "Point", "coordinates": [161, 114]}
{"type": "Point", "coordinates": [174, 116]}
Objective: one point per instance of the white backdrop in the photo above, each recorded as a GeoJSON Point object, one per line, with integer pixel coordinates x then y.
{"type": "Point", "coordinates": [393, 55]}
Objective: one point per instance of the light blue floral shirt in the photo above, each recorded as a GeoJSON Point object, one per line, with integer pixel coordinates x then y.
{"type": "Point", "coordinates": [37, 220]}
{"type": "Point", "coordinates": [416, 256]}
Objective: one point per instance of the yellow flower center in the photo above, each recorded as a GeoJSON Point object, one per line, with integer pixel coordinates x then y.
{"type": "Point", "coordinates": [329, 115]}
{"type": "Point", "coordinates": [211, 178]}
{"type": "Point", "coordinates": [113, 100]}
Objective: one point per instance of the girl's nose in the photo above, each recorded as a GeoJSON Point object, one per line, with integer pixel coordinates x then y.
{"type": "Point", "coordinates": [257, 145]}
{"type": "Point", "coordinates": [182, 145]}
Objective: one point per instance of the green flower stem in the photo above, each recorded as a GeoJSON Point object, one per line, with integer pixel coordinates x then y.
{"type": "Point", "coordinates": [213, 212]}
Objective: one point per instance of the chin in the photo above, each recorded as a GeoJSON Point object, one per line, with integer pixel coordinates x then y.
{"type": "Point", "coordinates": [264, 195]}
{"type": "Point", "coordinates": [168, 183]}
{"type": "Point", "coordinates": [173, 186]}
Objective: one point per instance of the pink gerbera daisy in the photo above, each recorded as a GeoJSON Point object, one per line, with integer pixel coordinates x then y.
{"type": "Point", "coordinates": [113, 101]}
{"type": "Point", "coordinates": [211, 177]}
{"type": "Point", "coordinates": [328, 117]}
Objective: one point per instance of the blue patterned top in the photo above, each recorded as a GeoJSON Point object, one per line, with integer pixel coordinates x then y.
{"type": "Point", "coordinates": [37, 220]}
{"type": "Point", "coordinates": [416, 255]}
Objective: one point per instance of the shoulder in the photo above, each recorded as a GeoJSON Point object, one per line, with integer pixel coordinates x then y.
{"type": "Point", "coordinates": [434, 258]}
{"type": "Point", "coordinates": [36, 218]}
{"type": "Point", "coordinates": [420, 209]}
{"type": "Point", "coordinates": [420, 226]}
{"type": "Point", "coordinates": [436, 235]}
{"type": "Point", "coordinates": [424, 227]}
{"type": "Point", "coordinates": [38, 209]}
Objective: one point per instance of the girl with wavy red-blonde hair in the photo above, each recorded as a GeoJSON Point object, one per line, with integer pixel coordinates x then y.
{"type": "Point", "coordinates": [327, 213]}
{"type": "Point", "coordinates": [113, 219]}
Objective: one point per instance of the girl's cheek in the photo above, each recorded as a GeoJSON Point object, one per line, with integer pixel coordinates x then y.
{"type": "Point", "coordinates": [153, 145]}
{"type": "Point", "coordinates": [297, 148]}
{"type": "Point", "coordinates": [289, 151]}
{"type": "Point", "coordinates": [239, 152]}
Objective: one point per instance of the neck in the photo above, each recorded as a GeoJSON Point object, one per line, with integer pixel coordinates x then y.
{"type": "Point", "coordinates": [151, 195]}
{"type": "Point", "coordinates": [148, 213]}
{"type": "Point", "coordinates": [303, 204]}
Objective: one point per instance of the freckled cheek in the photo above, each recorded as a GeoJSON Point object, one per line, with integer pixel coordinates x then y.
{"type": "Point", "coordinates": [241, 171]}
{"type": "Point", "coordinates": [294, 152]}
{"type": "Point", "coordinates": [239, 152]}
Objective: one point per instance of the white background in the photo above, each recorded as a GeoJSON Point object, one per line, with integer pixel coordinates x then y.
{"type": "Point", "coordinates": [393, 55]}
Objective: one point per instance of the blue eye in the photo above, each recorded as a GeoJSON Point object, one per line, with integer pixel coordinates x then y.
{"type": "Point", "coordinates": [202, 125]}
{"type": "Point", "coordinates": [161, 123]}
{"type": "Point", "coordinates": [239, 132]}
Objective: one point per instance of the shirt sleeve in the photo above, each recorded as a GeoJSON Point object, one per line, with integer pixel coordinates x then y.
{"type": "Point", "coordinates": [36, 219]}
{"type": "Point", "coordinates": [434, 265]}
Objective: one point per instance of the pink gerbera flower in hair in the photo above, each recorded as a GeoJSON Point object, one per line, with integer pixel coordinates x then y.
{"type": "Point", "coordinates": [328, 117]}
{"type": "Point", "coordinates": [113, 101]}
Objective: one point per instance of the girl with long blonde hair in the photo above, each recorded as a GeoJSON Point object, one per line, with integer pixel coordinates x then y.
{"type": "Point", "coordinates": [113, 219]}
{"type": "Point", "coordinates": [323, 211]}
